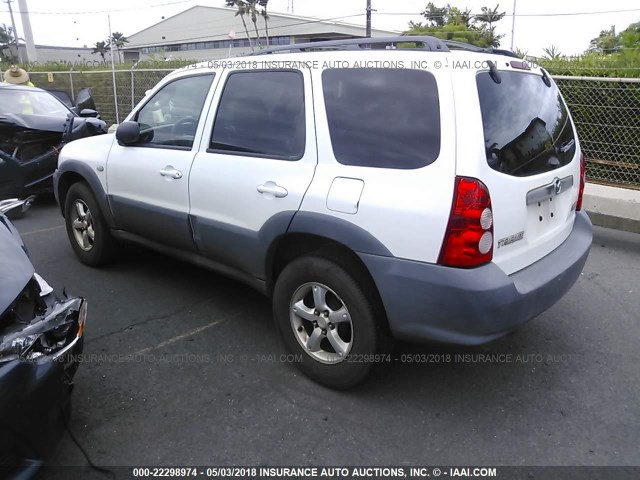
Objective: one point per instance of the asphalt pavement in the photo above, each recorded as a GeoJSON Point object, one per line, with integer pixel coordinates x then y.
{"type": "Point", "coordinates": [183, 367]}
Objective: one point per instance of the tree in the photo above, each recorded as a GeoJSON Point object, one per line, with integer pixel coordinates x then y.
{"type": "Point", "coordinates": [253, 10]}
{"type": "Point", "coordinates": [552, 52]}
{"type": "Point", "coordinates": [7, 38]}
{"type": "Point", "coordinates": [435, 16]}
{"type": "Point", "coordinates": [451, 23]}
{"type": "Point", "coordinates": [490, 16]}
{"type": "Point", "coordinates": [606, 42]}
{"type": "Point", "coordinates": [265, 17]}
{"type": "Point", "coordinates": [242, 10]}
{"type": "Point", "coordinates": [118, 40]}
{"type": "Point", "coordinates": [630, 38]}
{"type": "Point", "coordinates": [101, 48]}
{"type": "Point", "coordinates": [521, 53]}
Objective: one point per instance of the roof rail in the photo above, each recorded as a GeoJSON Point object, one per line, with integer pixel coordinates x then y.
{"type": "Point", "coordinates": [428, 43]}
{"type": "Point", "coordinates": [473, 48]}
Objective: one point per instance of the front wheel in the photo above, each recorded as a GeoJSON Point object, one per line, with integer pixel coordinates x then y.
{"type": "Point", "coordinates": [86, 228]}
{"type": "Point", "coordinates": [325, 317]}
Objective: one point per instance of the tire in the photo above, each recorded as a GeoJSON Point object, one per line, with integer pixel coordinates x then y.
{"type": "Point", "coordinates": [299, 291]}
{"type": "Point", "coordinates": [86, 228]}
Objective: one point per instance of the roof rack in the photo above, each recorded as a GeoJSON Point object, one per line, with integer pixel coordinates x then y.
{"type": "Point", "coordinates": [427, 43]}
{"type": "Point", "coordinates": [473, 48]}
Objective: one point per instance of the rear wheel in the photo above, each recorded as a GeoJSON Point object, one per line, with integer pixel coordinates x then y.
{"type": "Point", "coordinates": [86, 228]}
{"type": "Point", "coordinates": [325, 318]}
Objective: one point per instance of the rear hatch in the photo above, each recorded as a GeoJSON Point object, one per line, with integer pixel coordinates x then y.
{"type": "Point", "coordinates": [530, 161]}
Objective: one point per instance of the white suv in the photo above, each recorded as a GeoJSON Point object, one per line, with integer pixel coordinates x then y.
{"type": "Point", "coordinates": [426, 193]}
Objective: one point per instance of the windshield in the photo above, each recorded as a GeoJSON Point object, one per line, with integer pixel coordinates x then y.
{"type": "Point", "coordinates": [30, 102]}
{"type": "Point", "coordinates": [527, 129]}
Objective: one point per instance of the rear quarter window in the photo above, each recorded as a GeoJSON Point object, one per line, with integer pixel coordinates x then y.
{"type": "Point", "coordinates": [385, 118]}
{"type": "Point", "coordinates": [527, 128]}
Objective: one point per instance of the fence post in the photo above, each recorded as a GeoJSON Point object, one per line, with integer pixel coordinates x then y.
{"type": "Point", "coordinates": [73, 94]}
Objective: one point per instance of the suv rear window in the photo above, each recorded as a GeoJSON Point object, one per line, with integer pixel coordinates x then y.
{"type": "Point", "coordinates": [527, 129]}
{"type": "Point", "coordinates": [387, 118]}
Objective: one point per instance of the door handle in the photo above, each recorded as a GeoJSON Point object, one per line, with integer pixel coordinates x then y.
{"type": "Point", "coordinates": [271, 188]}
{"type": "Point", "coordinates": [171, 172]}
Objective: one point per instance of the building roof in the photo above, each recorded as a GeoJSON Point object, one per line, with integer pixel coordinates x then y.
{"type": "Point", "coordinates": [203, 23]}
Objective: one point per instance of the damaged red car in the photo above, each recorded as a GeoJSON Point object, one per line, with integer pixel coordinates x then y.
{"type": "Point", "coordinates": [34, 125]}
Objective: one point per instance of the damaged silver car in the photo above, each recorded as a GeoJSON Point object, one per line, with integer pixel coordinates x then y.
{"type": "Point", "coordinates": [41, 338]}
{"type": "Point", "coordinates": [34, 126]}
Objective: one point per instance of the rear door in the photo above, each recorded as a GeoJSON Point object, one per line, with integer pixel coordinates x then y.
{"type": "Point", "coordinates": [526, 151]}
{"type": "Point", "coordinates": [257, 158]}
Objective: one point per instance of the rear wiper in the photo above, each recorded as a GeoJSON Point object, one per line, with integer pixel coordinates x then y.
{"type": "Point", "coordinates": [545, 78]}
{"type": "Point", "coordinates": [493, 72]}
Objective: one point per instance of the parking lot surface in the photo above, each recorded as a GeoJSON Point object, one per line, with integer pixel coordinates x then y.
{"type": "Point", "coordinates": [183, 367]}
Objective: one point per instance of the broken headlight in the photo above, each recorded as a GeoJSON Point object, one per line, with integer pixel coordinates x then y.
{"type": "Point", "coordinates": [32, 328]}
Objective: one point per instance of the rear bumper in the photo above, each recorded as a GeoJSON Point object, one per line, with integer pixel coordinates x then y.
{"type": "Point", "coordinates": [469, 307]}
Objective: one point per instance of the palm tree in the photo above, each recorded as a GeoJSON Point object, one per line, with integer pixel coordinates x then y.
{"type": "Point", "coordinates": [242, 10]}
{"type": "Point", "coordinates": [265, 17]}
{"type": "Point", "coordinates": [251, 4]}
{"type": "Point", "coordinates": [490, 16]}
{"type": "Point", "coordinates": [118, 40]}
{"type": "Point", "coordinates": [487, 18]}
{"type": "Point", "coordinates": [101, 48]}
{"type": "Point", "coordinates": [7, 39]}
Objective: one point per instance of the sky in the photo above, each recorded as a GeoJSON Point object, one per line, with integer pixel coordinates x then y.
{"type": "Point", "coordinates": [538, 23]}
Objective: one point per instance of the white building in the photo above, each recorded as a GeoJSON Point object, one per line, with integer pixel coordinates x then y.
{"type": "Point", "coordinates": [202, 33]}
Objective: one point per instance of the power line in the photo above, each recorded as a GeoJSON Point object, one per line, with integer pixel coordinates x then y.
{"type": "Point", "coordinates": [176, 2]}
{"type": "Point", "coordinates": [562, 14]}
{"type": "Point", "coordinates": [115, 10]}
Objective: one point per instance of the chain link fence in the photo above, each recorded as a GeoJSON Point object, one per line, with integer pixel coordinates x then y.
{"type": "Point", "coordinates": [130, 87]}
{"type": "Point", "coordinates": [606, 112]}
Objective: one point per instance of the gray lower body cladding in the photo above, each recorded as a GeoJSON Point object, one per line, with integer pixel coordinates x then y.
{"type": "Point", "coordinates": [474, 306]}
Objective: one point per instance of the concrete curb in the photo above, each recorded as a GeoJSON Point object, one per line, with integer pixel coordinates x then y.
{"type": "Point", "coordinates": [612, 207]}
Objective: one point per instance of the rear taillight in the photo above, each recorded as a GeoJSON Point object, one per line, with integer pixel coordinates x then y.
{"type": "Point", "coordinates": [468, 241]}
{"type": "Point", "coordinates": [583, 175]}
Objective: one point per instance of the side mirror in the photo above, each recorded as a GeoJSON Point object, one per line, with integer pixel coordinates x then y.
{"type": "Point", "coordinates": [88, 112]}
{"type": "Point", "coordinates": [128, 133]}
{"type": "Point", "coordinates": [84, 100]}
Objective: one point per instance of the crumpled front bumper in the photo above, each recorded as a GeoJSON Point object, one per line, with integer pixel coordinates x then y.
{"type": "Point", "coordinates": [38, 362]}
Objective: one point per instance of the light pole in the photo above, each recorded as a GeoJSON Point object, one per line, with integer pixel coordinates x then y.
{"type": "Point", "coordinates": [513, 23]}
{"type": "Point", "coordinates": [368, 18]}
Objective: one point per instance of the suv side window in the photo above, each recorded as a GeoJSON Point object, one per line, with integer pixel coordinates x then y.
{"type": "Point", "coordinates": [386, 118]}
{"type": "Point", "coordinates": [261, 114]}
{"type": "Point", "coordinates": [170, 118]}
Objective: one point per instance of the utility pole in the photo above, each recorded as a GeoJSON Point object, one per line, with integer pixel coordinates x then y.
{"type": "Point", "coordinates": [513, 23]}
{"type": "Point", "coordinates": [15, 31]}
{"type": "Point", "coordinates": [32, 54]}
{"type": "Point", "coordinates": [368, 18]}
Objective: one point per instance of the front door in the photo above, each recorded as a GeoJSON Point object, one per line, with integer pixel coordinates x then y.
{"type": "Point", "coordinates": [148, 183]}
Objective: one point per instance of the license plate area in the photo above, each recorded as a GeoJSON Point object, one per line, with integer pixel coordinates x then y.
{"type": "Point", "coordinates": [548, 206]}
{"type": "Point", "coordinates": [543, 216]}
